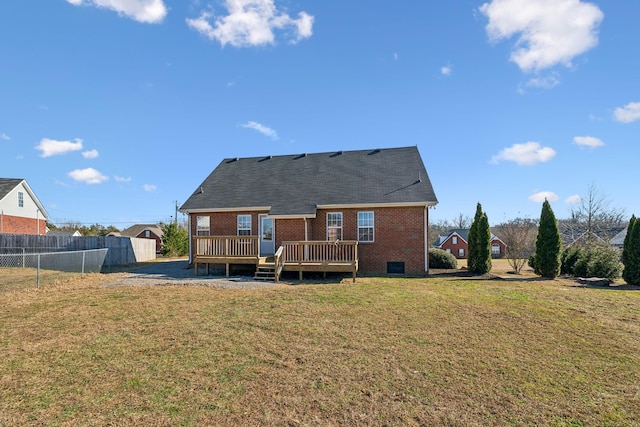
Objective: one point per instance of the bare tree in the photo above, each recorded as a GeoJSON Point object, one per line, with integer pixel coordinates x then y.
{"type": "Point", "coordinates": [519, 235]}
{"type": "Point", "coordinates": [594, 219]}
{"type": "Point", "coordinates": [438, 228]}
{"type": "Point", "coordinates": [462, 221]}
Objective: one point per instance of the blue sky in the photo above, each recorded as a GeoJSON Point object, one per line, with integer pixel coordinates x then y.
{"type": "Point", "coordinates": [114, 110]}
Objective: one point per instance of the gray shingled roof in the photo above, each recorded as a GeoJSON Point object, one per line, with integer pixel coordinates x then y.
{"type": "Point", "coordinates": [297, 184]}
{"type": "Point", "coordinates": [8, 184]}
{"type": "Point", "coordinates": [136, 229]}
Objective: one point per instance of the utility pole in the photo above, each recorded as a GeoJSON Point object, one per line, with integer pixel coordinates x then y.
{"type": "Point", "coordinates": [176, 217]}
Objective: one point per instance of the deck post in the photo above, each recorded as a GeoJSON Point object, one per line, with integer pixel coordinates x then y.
{"type": "Point", "coordinates": [195, 264]}
{"type": "Point", "coordinates": [227, 269]}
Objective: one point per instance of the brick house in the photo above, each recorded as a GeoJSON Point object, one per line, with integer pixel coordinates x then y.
{"type": "Point", "coordinates": [361, 211]}
{"type": "Point", "coordinates": [456, 243]}
{"type": "Point", "coordinates": [20, 210]}
{"type": "Point", "coordinates": [143, 231]}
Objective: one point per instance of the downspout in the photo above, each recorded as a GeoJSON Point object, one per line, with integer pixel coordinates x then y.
{"type": "Point", "coordinates": [306, 230]}
{"type": "Point", "coordinates": [2, 221]}
{"type": "Point", "coordinates": [190, 239]}
{"type": "Point", "coordinates": [426, 239]}
{"type": "Point", "coordinates": [37, 222]}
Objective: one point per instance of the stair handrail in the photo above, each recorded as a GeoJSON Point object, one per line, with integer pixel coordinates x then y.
{"type": "Point", "coordinates": [278, 260]}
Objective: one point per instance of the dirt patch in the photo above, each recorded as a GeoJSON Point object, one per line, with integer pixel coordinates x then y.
{"type": "Point", "coordinates": [179, 273]}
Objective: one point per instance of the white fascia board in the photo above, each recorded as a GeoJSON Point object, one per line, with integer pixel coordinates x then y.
{"type": "Point", "coordinates": [218, 210]}
{"type": "Point", "coordinates": [378, 205]}
{"type": "Point", "coordinates": [293, 216]}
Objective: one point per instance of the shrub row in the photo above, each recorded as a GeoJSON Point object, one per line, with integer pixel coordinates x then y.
{"type": "Point", "coordinates": [589, 261]}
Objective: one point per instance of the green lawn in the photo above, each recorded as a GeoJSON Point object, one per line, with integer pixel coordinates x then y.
{"type": "Point", "coordinates": [436, 351]}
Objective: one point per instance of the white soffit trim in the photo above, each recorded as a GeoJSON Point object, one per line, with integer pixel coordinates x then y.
{"type": "Point", "coordinates": [217, 210]}
{"type": "Point", "coordinates": [293, 216]}
{"type": "Point", "coordinates": [378, 205]}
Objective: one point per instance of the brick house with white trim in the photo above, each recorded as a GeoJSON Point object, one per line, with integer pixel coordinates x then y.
{"type": "Point", "coordinates": [320, 211]}
{"type": "Point", "coordinates": [20, 210]}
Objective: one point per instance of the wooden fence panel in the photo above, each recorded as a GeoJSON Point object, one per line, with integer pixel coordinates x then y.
{"type": "Point", "coordinates": [122, 250]}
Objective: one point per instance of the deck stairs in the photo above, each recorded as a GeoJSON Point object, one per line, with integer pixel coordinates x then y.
{"type": "Point", "coordinates": [266, 270]}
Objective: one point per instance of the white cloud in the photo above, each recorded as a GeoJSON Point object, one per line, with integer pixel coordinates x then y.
{"type": "Point", "coordinates": [588, 141]}
{"type": "Point", "coordinates": [528, 153]}
{"type": "Point", "coordinates": [149, 187]}
{"type": "Point", "coordinates": [547, 82]}
{"type": "Point", "coordinates": [90, 154]}
{"type": "Point", "coordinates": [251, 23]}
{"type": "Point", "coordinates": [121, 179]}
{"type": "Point", "coordinates": [629, 113]}
{"type": "Point", "coordinates": [4, 136]}
{"type": "Point", "coordinates": [262, 129]}
{"type": "Point", "coordinates": [51, 147]}
{"type": "Point", "coordinates": [544, 195]}
{"type": "Point", "coordinates": [145, 11]}
{"type": "Point", "coordinates": [572, 200]}
{"type": "Point", "coordinates": [550, 32]}
{"type": "Point", "coordinates": [88, 176]}
{"type": "Point", "coordinates": [447, 70]}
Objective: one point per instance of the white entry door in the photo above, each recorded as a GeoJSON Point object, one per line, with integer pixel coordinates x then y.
{"type": "Point", "coordinates": [267, 236]}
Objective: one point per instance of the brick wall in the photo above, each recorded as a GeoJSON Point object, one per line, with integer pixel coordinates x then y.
{"type": "Point", "coordinates": [20, 225]}
{"type": "Point", "coordinates": [398, 237]}
{"type": "Point", "coordinates": [226, 223]}
{"type": "Point", "coordinates": [398, 234]}
{"type": "Point", "coordinates": [455, 248]}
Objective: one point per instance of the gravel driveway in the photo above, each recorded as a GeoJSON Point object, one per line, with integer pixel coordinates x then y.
{"type": "Point", "coordinates": [178, 273]}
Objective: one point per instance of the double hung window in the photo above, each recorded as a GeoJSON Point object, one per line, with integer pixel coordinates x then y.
{"type": "Point", "coordinates": [334, 226]}
{"type": "Point", "coordinates": [244, 225]}
{"type": "Point", "coordinates": [365, 226]}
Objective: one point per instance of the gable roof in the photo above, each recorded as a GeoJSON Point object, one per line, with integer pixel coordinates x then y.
{"type": "Point", "coordinates": [463, 233]}
{"type": "Point", "coordinates": [618, 239]}
{"type": "Point", "coordinates": [136, 229]}
{"type": "Point", "coordinates": [7, 185]}
{"type": "Point", "coordinates": [296, 185]}
{"type": "Point", "coordinates": [64, 233]}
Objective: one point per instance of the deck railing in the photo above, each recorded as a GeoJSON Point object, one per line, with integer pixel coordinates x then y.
{"type": "Point", "coordinates": [227, 246]}
{"type": "Point", "coordinates": [341, 251]}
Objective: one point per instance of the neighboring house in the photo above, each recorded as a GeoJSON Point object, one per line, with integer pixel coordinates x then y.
{"type": "Point", "coordinates": [64, 233]}
{"type": "Point", "coordinates": [456, 243]}
{"type": "Point", "coordinates": [618, 240]}
{"type": "Point", "coordinates": [20, 210]}
{"type": "Point", "coordinates": [349, 211]}
{"type": "Point", "coordinates": [143, 231]}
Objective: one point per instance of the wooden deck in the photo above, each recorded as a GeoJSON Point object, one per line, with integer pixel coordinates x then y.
{"type": "Point", "coordinates": [300, 256]}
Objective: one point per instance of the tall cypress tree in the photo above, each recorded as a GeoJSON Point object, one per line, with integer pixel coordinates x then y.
{"type": "Point", "coordinates": [631, 253]}
{"type": "Point", "coordinates": [479, 257]}
{"type": "Point", "coordinates": [472, 252]}
{"type": "Point", "coordinates": [548, 244]}
{"type": "Point", "coordinates": [625, 249]}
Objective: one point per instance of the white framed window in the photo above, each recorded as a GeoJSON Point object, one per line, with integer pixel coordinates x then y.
{"type": "Point", "coordinates": [461, 252]}
{"type": "Point", "coordinates": [448, 250]}
{"type": "Point", "coordinates": [365, 226]}
{"type": "Point", "coordinates": [495, 249]}
{"type": "Point", "coordinates": [20, 199]}
{"type": "Point", "coordinates": [454, 240]}
{"type": "Point", "coordinates": [244, 225]}
{"type": "Point", "coordinates": [203, 226]}
{"type": "Point", "coordinates": [334, 226]}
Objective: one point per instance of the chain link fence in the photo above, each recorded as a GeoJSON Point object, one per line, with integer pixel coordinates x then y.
{"type": "Point", "coordinates": [27, 267]}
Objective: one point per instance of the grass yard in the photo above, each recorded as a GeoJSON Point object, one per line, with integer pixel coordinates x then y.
{"type": "Point", "coordinates": [385, 351]}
